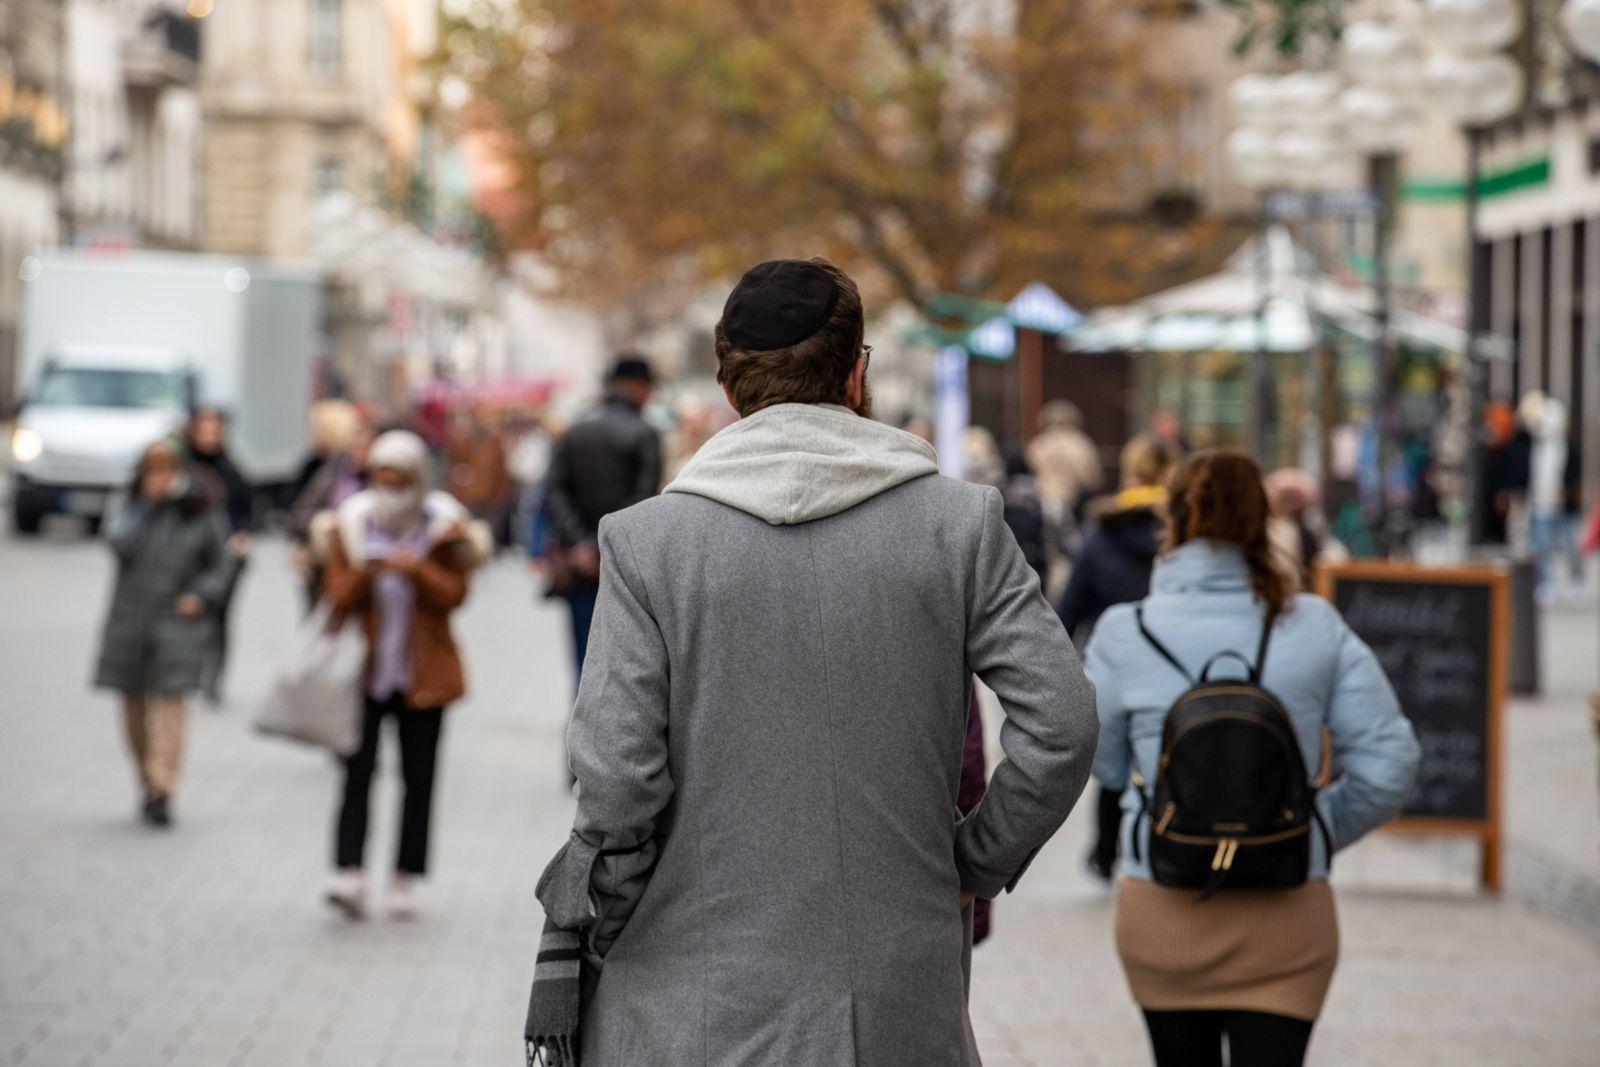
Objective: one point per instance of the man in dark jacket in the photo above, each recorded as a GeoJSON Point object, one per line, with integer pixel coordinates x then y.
{"type": "Point", "coordinates": [1114, 568]}
{"type": "Point", "coordinates": [608, 460]}
{"type": "Point", "coordinates": [208, 456]}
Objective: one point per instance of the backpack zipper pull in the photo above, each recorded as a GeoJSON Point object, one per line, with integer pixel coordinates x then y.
{"type": "Point", "coordinates": [1222, 860]}
{"type": "Point", "coordinates": [1166, 817]}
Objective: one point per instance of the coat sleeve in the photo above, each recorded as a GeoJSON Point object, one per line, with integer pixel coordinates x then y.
{"type": "Point", "coordinates": [649, 483]}
{"type": "Point", "coordinates": [560, 507]}
{"type": "Point", "coordinates": [1374, 746]}
{"type": "Point", "coordinates": [617, 747]}
{"type": "Point", "coordinates": [1077, 600]}
{"type": "Point", "coordinates": [1113, 756]}
{"type": "Point", "coordinates": [440, 587]}
{"type": "Point", "coordinates": [345, 587]}
{"type": "Point", "coordinates": [220, 567]}
{"type": "Point", "coordinates": [125, 529]}
{"type": "Point", "coordinates": [1017, 646]}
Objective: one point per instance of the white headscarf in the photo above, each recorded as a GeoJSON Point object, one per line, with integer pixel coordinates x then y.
{"type": "Point", "coordinates": [399, 509]}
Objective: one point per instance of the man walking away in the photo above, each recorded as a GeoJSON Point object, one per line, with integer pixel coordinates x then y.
{"type": "Point", "coordinates": [608, 460]}
{"type": "Point", "coordinates": [766, 865]}
{"type": "Point", "coordinates": [208, 455]}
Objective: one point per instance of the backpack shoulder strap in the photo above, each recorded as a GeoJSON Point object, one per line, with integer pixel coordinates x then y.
{"type": "Point", "coordinates": [1257, 672]}
{"type": "Point", "coordinates": [1138, 616]}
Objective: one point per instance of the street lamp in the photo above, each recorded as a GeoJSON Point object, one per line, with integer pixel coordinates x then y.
{"type": "Point", "coordinates": [1381, 58]}
{"type": "Point", "coordinates": [1289, 136]}
{"type": "Point", "coordinates": [1474, 84]}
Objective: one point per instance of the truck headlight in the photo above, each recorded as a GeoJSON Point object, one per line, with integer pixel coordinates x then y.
{"type": "Point", "coordinates": [26, 446]}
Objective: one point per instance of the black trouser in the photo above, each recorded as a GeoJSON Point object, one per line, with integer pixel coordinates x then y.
{"type": "Point", "coordinates": [1255, 1038]}
{"type": "Point", "coordinates": [1108, 821]}
{"type": "Point", "coordinates": [419, 749]}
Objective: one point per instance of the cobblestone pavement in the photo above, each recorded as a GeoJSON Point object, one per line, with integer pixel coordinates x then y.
{"type": "Point", "coordinates": [208, 945]}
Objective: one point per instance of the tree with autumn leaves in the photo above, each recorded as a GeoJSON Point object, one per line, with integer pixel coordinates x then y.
{"type": "Point", "coordinates": [931, 145]}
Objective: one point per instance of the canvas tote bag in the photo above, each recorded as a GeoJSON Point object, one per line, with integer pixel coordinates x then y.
{"type": "Point", "coordinates": [316, 696]}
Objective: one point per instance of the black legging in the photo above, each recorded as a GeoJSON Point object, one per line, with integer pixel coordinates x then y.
{"type": "Point", "coordinates": [1255, 1038]}
{"type": "Point", "coordinates": [419, 751]}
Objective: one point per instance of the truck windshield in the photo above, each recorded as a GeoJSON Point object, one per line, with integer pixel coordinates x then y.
{"type": "Point", "coordinates": [102, 387]}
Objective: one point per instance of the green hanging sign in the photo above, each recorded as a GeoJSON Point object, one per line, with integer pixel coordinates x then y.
{"type": "Point", "coordinates": [1528, 175]}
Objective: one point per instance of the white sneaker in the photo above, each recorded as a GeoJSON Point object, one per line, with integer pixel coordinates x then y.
{"type": "Point", "coordinates": [348, 894]}
{"type": "Point", "coordinates": [402, 898]}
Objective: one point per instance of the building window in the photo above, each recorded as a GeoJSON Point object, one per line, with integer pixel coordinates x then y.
{"type": "Point", "coordinates": [327, 37]}
{"type": "Point", "coordinates": [330, 175]}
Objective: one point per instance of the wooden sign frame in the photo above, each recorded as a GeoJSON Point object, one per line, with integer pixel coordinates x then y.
{"type": "Point", "coordinates": [1490, 829]}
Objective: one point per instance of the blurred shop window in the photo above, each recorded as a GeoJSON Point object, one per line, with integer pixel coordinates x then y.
{"type": "Point", "coordinates": [327, 37]}
{"type": "Point", "coordinates": [329, 177]}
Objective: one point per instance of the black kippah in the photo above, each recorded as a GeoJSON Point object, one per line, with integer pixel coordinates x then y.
{"type": "Point", "coordinates": [777, 304]}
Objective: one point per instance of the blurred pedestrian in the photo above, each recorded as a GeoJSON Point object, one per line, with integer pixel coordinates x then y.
{"type": "Point", "coordinates": [1114, 568]}
{"type": "Point", "coordinates": [333, 425]}
{"type": "Point", "coordinates": [1552, 501]}
{"type": "Point", "coordinates": [339, 474]}
{"type": "Point", "coordinates": [608, 460]}
{"type": "Point", "coordinates": [918, 426]}
{"type": "Point", "coordinates": [208, 458]}
{"type": "Point", "coordinates": [981, 463]}
{"type": "Point", "coordinates": [1025, 515]}
{"type": "Point", "coordinates": [1245, 966]}
{"type": "Point", "coordinates": [479, 475]}
{"type": "Point", "coordinates": [1500, 426]}
{"type": "Point", "coordinates": [528, 448]}
{"type": "Point", "coordinates": [398, 558]}
{"type": "Point", "coordinates": [764, 866]}
{"type": "Point", "coordinates": [1518, 469]}
{"type": "Point", "coordinates": [1064, 459]}
{"type": "Point", "coordinates": [1166, 428]}
{"type": "Point", "coordinates": [173, 569]}
{"type": "Point", "coordinates": [694, 426]}
{"type": "Point", "coordinates": [1291, 496]}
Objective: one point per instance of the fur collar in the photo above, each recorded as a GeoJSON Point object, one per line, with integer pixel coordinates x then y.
{"type": "Point", "coordinates": [349, 525]}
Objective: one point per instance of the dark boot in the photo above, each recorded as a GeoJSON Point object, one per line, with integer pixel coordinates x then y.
{"type": "Point", "coordinates": [156, 812]}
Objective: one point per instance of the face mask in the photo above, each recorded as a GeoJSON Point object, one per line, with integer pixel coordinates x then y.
{"type": "Point", "coordinates": [396, 509]}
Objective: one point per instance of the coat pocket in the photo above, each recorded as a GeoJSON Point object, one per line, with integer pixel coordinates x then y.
{"type": "Point", "coordinates": [564, 888]}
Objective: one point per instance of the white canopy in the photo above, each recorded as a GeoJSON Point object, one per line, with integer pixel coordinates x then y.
{"type": "Point", "coordinates": [1243, 305]}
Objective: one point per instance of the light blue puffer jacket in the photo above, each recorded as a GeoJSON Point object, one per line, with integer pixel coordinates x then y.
{"type": "Point", "coordinates": [1201, 603]}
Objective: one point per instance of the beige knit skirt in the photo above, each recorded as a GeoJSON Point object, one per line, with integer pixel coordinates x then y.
{"type": "Point", "coordinates": [1270, 950]}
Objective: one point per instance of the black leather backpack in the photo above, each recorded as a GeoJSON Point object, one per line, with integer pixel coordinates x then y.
{"type": "Point", "coordinates": [1232, 805]}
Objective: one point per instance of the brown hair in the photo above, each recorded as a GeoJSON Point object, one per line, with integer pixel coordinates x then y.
{"type": "Point", "coordinates": [1217, 495]}
{"type": "Point", "coordinates": [815, 371]}
{"type": "Point", "coordinates": [1145, 461]}
{"type": "Point", "coordinates": [201, 492]}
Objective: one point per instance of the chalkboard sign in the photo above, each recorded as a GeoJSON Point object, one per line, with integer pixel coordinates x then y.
{"type": "Point", "coordinates": [1441, 635]}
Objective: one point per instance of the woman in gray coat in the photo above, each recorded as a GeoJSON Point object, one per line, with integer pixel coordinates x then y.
{"type": "Point", "coordinates": [173, 568]}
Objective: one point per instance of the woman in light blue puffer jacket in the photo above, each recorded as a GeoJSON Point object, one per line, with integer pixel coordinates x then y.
{"type": "Point", "coordinates": [1253, 965]}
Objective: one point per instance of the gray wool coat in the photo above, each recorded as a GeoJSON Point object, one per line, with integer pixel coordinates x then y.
{"type": "Point", "coordinates": [767, 855]}
{"type": "Point", "coordinates": [163, 552]}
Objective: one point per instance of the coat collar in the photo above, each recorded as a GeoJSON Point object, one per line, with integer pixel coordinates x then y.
{"type": "Point", "coordinates": [1201, 566]}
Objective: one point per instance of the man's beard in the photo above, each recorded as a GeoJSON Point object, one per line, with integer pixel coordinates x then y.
{"type": "Point", "coordinates": [863, 407]}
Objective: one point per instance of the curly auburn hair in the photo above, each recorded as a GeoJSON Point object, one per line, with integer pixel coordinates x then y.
{"type": "Point", "coordinates": [1217, 495]}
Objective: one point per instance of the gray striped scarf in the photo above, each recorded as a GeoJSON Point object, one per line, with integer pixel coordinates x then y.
{"type": "Point", "coordinates": [555, 1001]}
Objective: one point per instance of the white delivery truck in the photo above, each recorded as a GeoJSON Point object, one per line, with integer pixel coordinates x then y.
{"type": "Point", "coordinates": [117, 348]}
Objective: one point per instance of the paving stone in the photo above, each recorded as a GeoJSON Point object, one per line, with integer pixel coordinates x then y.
{"type": "Point", "coordinates": [208, 945]}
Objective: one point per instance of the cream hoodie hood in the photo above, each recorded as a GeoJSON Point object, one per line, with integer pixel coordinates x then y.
{"type": "Point", "coordinates": [792, 463]}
